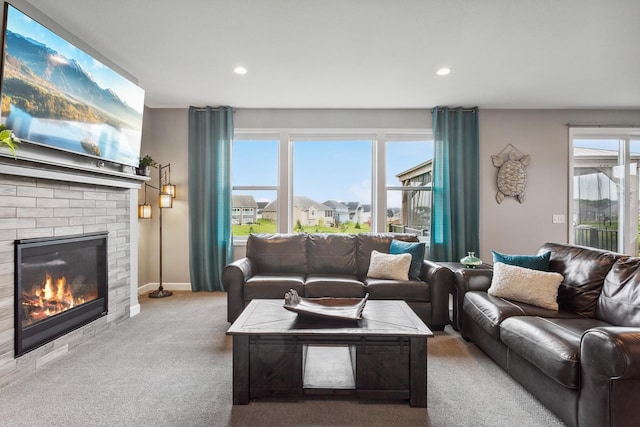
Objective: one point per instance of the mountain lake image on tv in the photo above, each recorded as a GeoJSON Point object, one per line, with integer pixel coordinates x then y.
{"type": "Point", "coordinates": [56, 95]}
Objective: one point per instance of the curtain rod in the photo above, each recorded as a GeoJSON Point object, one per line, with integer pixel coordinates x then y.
{"type": "Point", "coordinates": [474, 109]}
{"type": "Point", "coordinates": [212, 108]}
{"type": "Point", "coordinates": [600, 125]}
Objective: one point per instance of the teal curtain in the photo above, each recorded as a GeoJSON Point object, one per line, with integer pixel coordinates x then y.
{"type": "Point", "coordinates": [455, 222]}
{"type": "Point", "coordinates": [211, 245]}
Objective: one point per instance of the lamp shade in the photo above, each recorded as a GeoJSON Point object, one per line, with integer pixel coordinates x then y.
{"type": "Point", "coordinates": [144, 211]}
{"type": "Point", "coordinates": [169, 189]}
{"type": "Point", "coordinates": [165, 200]}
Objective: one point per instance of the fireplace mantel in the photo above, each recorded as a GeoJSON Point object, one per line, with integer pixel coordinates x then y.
{"type": "Point", "coordinates": [86, 174]}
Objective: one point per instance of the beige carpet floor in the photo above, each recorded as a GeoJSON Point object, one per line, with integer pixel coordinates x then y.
{"type": "Point", "coordinates": [171, 366]}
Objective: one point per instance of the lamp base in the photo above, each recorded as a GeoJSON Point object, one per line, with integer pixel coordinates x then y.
{"type": "Point", "coordinates": [160, 293]}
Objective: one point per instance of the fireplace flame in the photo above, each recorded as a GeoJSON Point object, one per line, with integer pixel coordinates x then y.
{"type": "Point", "coordinates": [53, 297]}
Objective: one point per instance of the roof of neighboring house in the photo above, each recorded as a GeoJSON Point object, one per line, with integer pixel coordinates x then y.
{"type": "Point", "coordinates": [301, 202]}
{"type": "Point", "coordinates": [336, 205]}
{"type": "Point", "coordinates": [304, 203]}
{"type": "Point", "coordinates": [354, 205]}
{"type": "Point", "coordinates": [416, 170]}
{"type": "Point", "coordinates": [366, 208]}
{"type": "Point", "coordinates": [261, 205]}
{"type": "Point", "coordinates": [241, 201]}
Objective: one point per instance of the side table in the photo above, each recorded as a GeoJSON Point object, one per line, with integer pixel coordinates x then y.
{"type": "Point", "coordinates": [453, 290]}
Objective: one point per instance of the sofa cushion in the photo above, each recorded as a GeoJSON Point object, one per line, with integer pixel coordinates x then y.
{"type": "Point", "coordinates": [367, 242]}
{"type": "Point", "coordinates": [539, 288]}
{"type": "Point", "coordinates": [278, 253]}
{"type": "Point", "coordinates": [272, 285]}
{"type": "Point", "coordinates": [584, 270]}
{"type": "Point", "coordinates": [619, 302]}
{"type": "Point", "coordinates": [332, 254]}
{"type": "Point", "coordinates": [552, 345]}
{"type": "Point", "coordinates": [489, 311]}
{"type": "Point", "coordinates": [333, 285]}
{"type": "Point", "coordinates": [415, 249]}
{"type": "Point", "coordinates": [387, 266]}
{"type": "Point", "coordinates": [411, 290]}
{"type": "Point", "coordinates": [535, 262]}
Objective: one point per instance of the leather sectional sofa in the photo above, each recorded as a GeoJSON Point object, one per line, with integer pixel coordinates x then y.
{"type": "Point", "coordinates": [581, 361]}
{"type": "Point", "coordinates": [331, 265]}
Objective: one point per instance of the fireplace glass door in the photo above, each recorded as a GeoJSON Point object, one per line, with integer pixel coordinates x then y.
{"type": "Point", "coordinates": [61, 284]}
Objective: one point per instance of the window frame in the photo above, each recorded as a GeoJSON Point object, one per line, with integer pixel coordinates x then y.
{"type": "Point", "coordinates": [624, 135]}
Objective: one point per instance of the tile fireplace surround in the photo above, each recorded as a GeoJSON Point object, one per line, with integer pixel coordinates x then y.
{"type": "Point", "coordinates": [38, 201]}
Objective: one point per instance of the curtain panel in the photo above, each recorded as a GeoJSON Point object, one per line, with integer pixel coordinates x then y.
{"type": "Point", "coordinates": [210, 237]}
{"type": "Point", "coordinates": [455, 218]}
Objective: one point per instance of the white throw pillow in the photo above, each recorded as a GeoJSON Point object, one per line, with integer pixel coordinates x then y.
{"type": "Point", "coordinates": [533, 287]}
{"type": "Point", "coordinates": [387, 266]}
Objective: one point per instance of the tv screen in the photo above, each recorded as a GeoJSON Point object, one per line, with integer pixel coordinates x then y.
{"type": "Point", "coordinates": [56, 95]}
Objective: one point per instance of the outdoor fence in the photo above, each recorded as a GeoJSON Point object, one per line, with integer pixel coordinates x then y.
{"type": "Point", "coordinates": [596, 237]}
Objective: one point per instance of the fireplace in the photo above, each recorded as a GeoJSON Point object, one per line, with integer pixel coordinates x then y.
{"type": "Point", "coordinates": [60, 285]}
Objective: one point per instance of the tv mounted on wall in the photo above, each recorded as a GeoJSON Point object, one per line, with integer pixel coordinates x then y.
{"type": "Point", "coordinates": [56, 95]}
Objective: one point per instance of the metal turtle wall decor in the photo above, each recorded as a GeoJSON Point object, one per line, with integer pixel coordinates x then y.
{"type": "Point", "coordinates": [512, 173]}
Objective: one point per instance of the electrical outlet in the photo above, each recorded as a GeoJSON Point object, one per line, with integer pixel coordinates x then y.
{"type": "Point", "coordinates": [558, 219]}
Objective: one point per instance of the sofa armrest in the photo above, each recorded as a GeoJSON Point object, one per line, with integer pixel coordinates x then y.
{"type": "Point", "coordinates": [440, 280]}
{"type": "Point", "coordinates": [610, 374]}
{"type": "Point", "coordinates": [465, 280]}
{"type": "Point", "coordinates": [472, 280]}
{"type": "Point", "coordinates": [234, 276]}
{"type": "Point", "coordinates": [612, 352]}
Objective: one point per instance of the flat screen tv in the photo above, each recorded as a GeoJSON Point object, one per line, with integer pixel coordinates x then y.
{"type": "Point", "coordinates": [56, 95]}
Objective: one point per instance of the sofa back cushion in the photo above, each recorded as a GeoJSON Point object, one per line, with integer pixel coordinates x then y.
{"type": "Point", "coordinates": [332, 254]}
{"type": "Point", "coordinates": [619, 302]}
{"type": "Point", "coordinates": [278, 253]}
{"type": "Point", "coordinates": [367, 242]}
{"type": "Point", "coordinates": [584, 270]}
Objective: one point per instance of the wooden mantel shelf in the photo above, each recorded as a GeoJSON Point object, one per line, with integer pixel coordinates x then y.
{"type": "Point", "coordinates": [95, 172]}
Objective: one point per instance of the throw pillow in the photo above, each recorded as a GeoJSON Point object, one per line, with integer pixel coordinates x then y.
{"type": "Point", "coordinates": [388, 266]}
{"type": "Point", "coordinates": [533, 287]}
{"type": "Point", "coordinates": [415, 249]}
{"type": "Point", "coordinates": [534, 262]}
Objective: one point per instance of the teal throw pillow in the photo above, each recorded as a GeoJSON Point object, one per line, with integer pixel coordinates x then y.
{"type": "Point", "coordinates": [534, 262]}
{"type": "Point", "coordinates": [416, 249]}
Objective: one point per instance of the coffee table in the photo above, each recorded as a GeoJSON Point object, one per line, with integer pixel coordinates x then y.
{"type": "Point", "coordinates": [387, 352]}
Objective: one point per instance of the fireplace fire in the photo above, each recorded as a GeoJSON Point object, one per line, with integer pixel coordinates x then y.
{"type": "Point", "coordinates": [61, 284]}
{"type": "Point", "coordinates": [53, 297]}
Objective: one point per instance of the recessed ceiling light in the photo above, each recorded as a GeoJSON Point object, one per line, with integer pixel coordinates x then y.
{"type": "Point", "coordinates": [240, 70]}
{"type": "Point", "coordinates": [443, 71]}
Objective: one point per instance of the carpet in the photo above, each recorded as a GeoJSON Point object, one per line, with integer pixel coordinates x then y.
{"type": "Point", "coordinates": [171, 366]}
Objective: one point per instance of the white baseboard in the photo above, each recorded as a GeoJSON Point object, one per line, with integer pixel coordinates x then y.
{"type": "Point", "coordinates": [152, 286]}
{"type": "Point", "coordinates": [134, 310]}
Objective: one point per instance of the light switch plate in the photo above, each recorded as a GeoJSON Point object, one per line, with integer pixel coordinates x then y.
{"type": "Point", "coordinates": [558, 219]}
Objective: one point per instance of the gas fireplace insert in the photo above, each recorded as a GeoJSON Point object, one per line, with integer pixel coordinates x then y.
{"type": "Point", "coordinates": [60, 284]}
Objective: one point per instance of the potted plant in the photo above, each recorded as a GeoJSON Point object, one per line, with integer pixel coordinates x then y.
{"type": "Point", "coordinates": [8, 139]}
{"type": "Point", "coordinates": [145, 164]}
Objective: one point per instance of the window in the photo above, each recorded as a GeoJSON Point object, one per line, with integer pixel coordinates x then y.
{"type": "Point", "coordinates": [330, 177]}
{"type": "Point", "coordinates": [254, 181]}
{"type": "Point", "coordinates": [332, 182]}
{"type": "Point", "coordinates": [409, 167]}
{"type": "Point", "coordinates": [605, 188]}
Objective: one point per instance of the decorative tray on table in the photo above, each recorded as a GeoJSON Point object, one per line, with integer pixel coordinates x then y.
{"type": "Point", "coordinates": [328, 308]}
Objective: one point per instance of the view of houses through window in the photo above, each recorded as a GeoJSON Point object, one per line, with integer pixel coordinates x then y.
{"type": "Point", "coordinates": [333, 184]}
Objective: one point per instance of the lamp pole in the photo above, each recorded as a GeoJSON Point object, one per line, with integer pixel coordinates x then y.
{"type": "Point", "coordinates": [160, 292]}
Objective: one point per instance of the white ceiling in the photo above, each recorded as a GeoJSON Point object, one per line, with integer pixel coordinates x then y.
{"type": "Point", "coordinates": [367, 53]}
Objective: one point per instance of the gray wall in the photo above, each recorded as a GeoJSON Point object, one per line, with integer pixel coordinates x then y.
{"type": "Point", "coordinates": [509, 227]}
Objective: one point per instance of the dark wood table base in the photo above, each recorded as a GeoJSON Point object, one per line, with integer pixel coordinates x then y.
{"type": "Point", "coordinates": [387, 350]}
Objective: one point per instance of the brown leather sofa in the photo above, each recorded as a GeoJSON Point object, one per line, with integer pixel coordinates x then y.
{"type": "Point", "coordinates": [582, 361]}
{"type": "Point", "coordinates": [331, 265]}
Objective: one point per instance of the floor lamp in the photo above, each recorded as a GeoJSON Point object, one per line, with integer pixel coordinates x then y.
{"type": "Point", "coordinates": [166, 194]}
